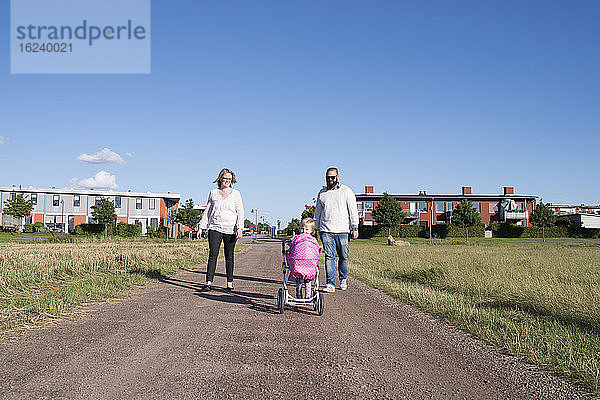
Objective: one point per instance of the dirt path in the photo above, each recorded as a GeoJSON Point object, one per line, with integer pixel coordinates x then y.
{"type": "Point", "coordinates": [169, 340]}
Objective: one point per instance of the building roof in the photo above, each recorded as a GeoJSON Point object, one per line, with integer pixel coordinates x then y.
{"type": "Point", "coordinates": [172, 196]}
{"type": "Point", "coordinates": [572, 205]}
{"type": "Point", "coordinates": [449, 196]}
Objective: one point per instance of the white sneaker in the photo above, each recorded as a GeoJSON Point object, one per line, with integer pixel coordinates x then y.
{"type": "Point", "coordinates": [329, 288]}
{"type": "Point", "coordinates": [343, 284]}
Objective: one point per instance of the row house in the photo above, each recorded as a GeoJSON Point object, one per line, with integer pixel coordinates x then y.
{"type": "Point", "coordinates": [430, 209]}
{"type": "Point", "coordinates": [64, 209]}
{"type": "Point", "coordinates": [567, 209]}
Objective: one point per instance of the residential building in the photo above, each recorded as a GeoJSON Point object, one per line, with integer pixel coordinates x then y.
{"type": "Point", "coordinates": [425, 209]}
{"type": "Point", "coordinates": [63, 209]}
{"type": "Point", "coordinates": [565, 209]}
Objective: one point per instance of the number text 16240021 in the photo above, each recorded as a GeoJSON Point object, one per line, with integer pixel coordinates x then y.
{"type": "Point", "coordinates": [46, 47]}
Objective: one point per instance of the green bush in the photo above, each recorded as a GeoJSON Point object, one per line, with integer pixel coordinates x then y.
{"type": "Point", "coordinates": [160, 232]}
{"type": "Point", "coordinates": [584, 233]}
{"type": "Point", "coordinates": [129, 230]}
{"type": "Point", "coordinates": [506, 230]}
{"type": "Point", "coordinates": [564, 221]}
{"type": "Point", "coordinates": [89, 229]}
{"type": "Point", "coordinates": [28, 228]}
{"type": "Point", "coordinates": [404, 231]}
{"type": "Point", "coordinates": [452, 230]}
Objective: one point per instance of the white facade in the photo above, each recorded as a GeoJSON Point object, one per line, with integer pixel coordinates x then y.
{"type": "Point", "coordinates": [66, 208]}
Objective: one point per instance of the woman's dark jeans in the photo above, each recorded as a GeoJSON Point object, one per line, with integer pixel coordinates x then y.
{"type": "Point", "coordinates": [214, 243]}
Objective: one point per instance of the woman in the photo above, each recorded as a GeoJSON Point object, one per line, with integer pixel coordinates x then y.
{"type": "Point", "coordinates": [224, 220]}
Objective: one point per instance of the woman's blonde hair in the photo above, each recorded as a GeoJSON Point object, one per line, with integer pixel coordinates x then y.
{"type": "Point", "coordinates": [223, 172]}
{"type": "Point", "coordinates": [308, 223]}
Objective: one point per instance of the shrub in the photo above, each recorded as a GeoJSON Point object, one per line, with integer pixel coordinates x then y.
{"type": "Point", "coordinates": [129, 230]}
{"type": "Point", "coordinates": [564, 221]}
{"type": "Point", "coordinates": [507, 230]}
{"type": "Point", "coordinates": [159, 232]}
{"type": "Point", "coordinates": [368, 232]}
{"type": "Point", "coordinates": [584, 233]}
{"type": "Point", "coordinates": [89, 229]}
{"type": "Point", "coordinates": [28, 228]}
{"type": "Point", "coordinates": [452, 230]}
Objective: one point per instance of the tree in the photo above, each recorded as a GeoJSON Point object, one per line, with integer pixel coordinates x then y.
{"type": "Point", "coordinates": [465, 216]}
{"type": "Point", "coordinates": [104, 213]}
{"type": "Point", "coordinates": [309, 210]}
{"type": "Point", "coordinates": [293, 226]}
{"type": "Point", "coordinates": [19, 207]}
{"type": "Point", "coordinates": [248, 223]}
{"type": "Point", "coordinates": [388, 212]}
{"type": "Point", "coordinates": [542, 216]}
{"type": "Point", "coordinates": [189, 216]}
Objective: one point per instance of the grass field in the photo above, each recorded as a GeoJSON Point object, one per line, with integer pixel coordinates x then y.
{"type": "Point", "coordinates": [538, 301]}
{"type": "Point", "coordinates": [42, 281]}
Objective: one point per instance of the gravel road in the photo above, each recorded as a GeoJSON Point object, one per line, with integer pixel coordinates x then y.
{"type": "Point", "coordinates": [168, 340]}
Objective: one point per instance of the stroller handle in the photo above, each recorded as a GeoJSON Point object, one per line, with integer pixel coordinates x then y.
{"type": "Point", "coordinates": [283, 242]}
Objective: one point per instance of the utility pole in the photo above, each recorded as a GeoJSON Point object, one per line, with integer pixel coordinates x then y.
{"type": "Point", "coordinates": [62, 214]}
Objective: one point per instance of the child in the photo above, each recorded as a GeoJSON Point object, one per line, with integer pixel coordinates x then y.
{"type": "Point", "coordinates": [303, 257]}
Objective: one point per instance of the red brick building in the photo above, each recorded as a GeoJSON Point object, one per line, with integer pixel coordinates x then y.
{"type": "Point", "coordinates": [425, 209]}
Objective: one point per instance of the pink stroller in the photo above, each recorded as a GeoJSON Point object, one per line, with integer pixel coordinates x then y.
{"type": "Point", "coordinates": [301, 261]}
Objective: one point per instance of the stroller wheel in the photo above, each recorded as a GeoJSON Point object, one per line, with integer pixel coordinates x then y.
{"type": "Point", "coordinates": [320, 305]}
{"type": "Point", "coordinates": [280, 301]}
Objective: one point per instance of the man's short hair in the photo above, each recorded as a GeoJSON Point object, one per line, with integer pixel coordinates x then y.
{"type": "Point", "coordinates": [332, 169]}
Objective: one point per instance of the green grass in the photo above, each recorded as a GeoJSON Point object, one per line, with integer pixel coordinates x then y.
{"type": "Point", "coordinates": [540, 301]}
{"type": "Point", "coordinates": [42, 281]}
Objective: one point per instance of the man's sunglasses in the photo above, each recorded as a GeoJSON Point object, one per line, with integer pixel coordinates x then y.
{"type": "Point", "coordinates": [330, 177]}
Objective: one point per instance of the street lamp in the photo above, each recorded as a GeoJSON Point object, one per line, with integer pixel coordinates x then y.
{"type": "Point", "coordinates": [255, 212]}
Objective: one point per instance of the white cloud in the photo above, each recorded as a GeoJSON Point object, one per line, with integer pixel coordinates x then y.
{"type": "Point", "coordinates": [103, 156]}
{"type": "Point", "coordinates": [129, 154]}
{"type": "Point", "coordinates": [102, 180]}
{"type": "Point", "coordinates": [2, 140]}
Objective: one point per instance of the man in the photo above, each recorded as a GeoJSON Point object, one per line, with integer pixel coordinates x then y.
{"type": "Point", "coordinates": [336, 218]}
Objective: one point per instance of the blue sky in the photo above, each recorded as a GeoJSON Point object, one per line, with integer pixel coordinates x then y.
{"type": "Point", "coordinates": [400, 95]}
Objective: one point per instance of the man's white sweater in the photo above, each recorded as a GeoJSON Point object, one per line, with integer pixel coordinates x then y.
{"type": "Point", "coordinates": [336, 210]}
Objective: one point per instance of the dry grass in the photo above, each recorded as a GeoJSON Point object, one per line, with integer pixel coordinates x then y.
{"type": "Point", "coordinates": [42, 281]}
{"type": "Point", "coordinates": [541, 302]}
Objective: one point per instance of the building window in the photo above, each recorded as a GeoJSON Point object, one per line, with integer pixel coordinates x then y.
{"type": "Point", "coordinates": [138, 203]}
{"type": "Point", "coordinates": [152, 204]}
{"type": "Point", "coordinates": [34, 198]}
{"type": "Point", "coordinates": [76, 200]}
{"type": "Point", "coordinates": [493, 207]}
{"type": "Point", "coordinates": [97, 200]}
{"type": "Point", "coordinates": [439, 207]}
{"type": "Point", "coordinates": [368, 205]}
{"type": "Point", "coordinates": [359, 205]}
{"type": "Point", "coordinates": [422, 206]}
{"type": "Point", "coordinates": [118, 202]}
{"type": "Point", "coordinates": [477, 206]}
{"type": "Point", "coordinates": [449, 206]}
{"type": "Point", "coordinates": [154, 222]}
{"type": "Point", "coordinates": [423, 223]}
{"type": "Point", "coordinates": [520, 206]}
{"type": "Point", "coordinates": [55, 200]}
{"type": "Point", "coordinates": [13, 196]}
